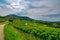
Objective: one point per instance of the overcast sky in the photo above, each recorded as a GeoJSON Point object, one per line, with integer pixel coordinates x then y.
{"type": "Point", "coordinates": [36, 9]}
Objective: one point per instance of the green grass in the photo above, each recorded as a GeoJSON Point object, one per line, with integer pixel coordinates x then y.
{"type": "Point", "coordinates": [10, 33]}
{"type": "Point", "coordinates": [2, 20]}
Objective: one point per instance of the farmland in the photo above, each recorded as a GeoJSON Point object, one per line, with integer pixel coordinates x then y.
{"type": "Point", "coordinates": [38, 30]}
{"type": "Point", "coordinates": [30, 29]}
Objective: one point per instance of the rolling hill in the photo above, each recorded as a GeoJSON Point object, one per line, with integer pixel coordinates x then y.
{"type": "Point", "coordinates": [25, 28]}
{"type": "Point", "coordinates": [15, 17]}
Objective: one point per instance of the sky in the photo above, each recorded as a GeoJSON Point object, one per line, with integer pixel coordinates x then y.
{"type": "Point", "coordinates": [47, 10]}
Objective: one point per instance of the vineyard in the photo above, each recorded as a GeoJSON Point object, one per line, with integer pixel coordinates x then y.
{"type": "Point", "coordinates": [12, 33]}
{"type": "Point", "coordinates": [31, 30]}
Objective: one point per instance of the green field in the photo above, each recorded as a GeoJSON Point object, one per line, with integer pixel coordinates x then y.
{"type": "Point", "coordinates": [29, 29]}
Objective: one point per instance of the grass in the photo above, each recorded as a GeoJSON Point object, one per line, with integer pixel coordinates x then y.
{"type": "Point", "coordinates": [10, 33]}
{"type": "Point", "coordinates": [2, 20]}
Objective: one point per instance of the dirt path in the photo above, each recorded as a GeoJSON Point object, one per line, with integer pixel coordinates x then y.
{"type": "Point", "coordinates": [1, 32]}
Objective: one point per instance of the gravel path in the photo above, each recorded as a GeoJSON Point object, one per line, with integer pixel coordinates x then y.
{"type": "Point", "coordinates": [1, 32]}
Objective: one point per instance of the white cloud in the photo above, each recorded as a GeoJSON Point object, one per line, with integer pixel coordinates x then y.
{"type": "Point", "coordinates": [39, 12]}
{"type": "Point", "coordinates": [21, 4]}
{"type": "Point", "coordinates": [7, 9]}
{"type": "Point", "coordinates": [51, 7]}
{"type": "Point", "coordinates": [42, 8]}
{"type": "Point", "coordinates": [14, 7]}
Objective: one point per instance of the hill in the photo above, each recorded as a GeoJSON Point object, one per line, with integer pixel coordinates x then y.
{"type": "Point", "coordinates": [15, 17]}
{"type": "Point", "coordinates": [18, 17]}
{"type": "Point", "coordinates": [19, 29]}
{"type": "Point", "coordinates": [25, 28]}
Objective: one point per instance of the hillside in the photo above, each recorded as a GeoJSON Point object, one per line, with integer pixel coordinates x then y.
{"type": "Point", "coordinates": [31, 30]}
{"type": "Point", "coordinates": [24, 28]}
{"type": "Point", "coordinates": [15, 17]}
